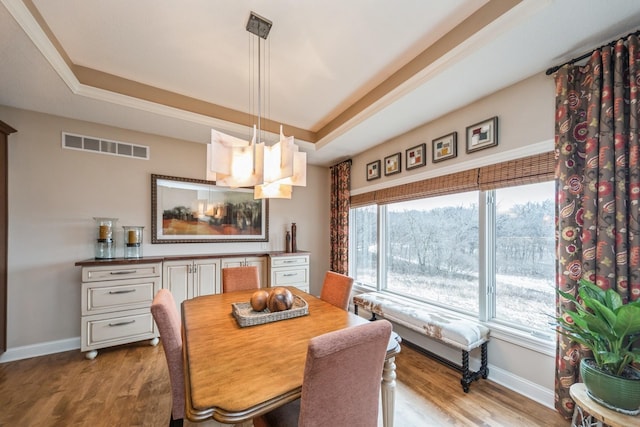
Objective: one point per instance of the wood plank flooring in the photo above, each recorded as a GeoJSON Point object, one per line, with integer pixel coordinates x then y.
{"type": "Point", "coordinates": [129, 386]}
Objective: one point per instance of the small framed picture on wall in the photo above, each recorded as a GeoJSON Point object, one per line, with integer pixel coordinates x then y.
{"type": "Point", "coordinates": [416, 156]}
{"type": "Point", "coordinates": [392, 164]}
{"type": "Point", "coordinates": [445, 147]}
{"type": "Point", "coordinates": [482, 135]}
{"type": "Point", "coordinates": [373, 170]}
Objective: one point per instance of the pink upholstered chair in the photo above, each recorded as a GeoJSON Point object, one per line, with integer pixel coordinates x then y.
{"type": "Point", "coordinates": [336, 289]}
{"type": "Point", "coordinates": [341, 384]}
{"type": "Point", "coordinates": [240, 278]}
{"type": "Point", "coordinates": [163, 309]}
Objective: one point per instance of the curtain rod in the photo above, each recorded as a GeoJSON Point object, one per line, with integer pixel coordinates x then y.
{"type": "Point", "coordinates": [588, 54]}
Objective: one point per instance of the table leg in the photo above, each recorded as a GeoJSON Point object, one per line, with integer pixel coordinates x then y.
{"type": "Point", "coordinates": [388, 390]}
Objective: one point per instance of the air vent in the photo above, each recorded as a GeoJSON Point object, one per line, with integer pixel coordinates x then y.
{"type": "Point", "coordinates": [104, 146]}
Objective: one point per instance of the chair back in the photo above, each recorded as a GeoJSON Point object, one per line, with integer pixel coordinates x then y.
{"type": "Point", "coordinates": [336, 289]}
{"type": "Point", "coordinates": [240, 278]}
{"type": "Point", "coordinates": [342, 376]}
{"type": "Point", "coordinates": [163, 309]}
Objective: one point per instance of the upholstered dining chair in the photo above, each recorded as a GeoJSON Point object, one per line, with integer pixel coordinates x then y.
{"type": "Point", "coordinates": [336, 289]}
{"type": "Point", "coordinates": [163, 309]}
{"type": "Point", "coordinates": [240, 278]}
{"type": "Point", "coordinates": [341, 383]}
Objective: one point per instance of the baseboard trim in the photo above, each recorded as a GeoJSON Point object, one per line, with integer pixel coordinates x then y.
{"type": "Point", "coordinates": [520, 385]}
{"type": "Point", "coordinates": [40, 349]}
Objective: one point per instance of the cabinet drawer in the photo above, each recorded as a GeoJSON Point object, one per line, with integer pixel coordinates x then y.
{"type": "Point", "coordinates": [118, 272]}
{"type": "Point", "coordinates": [118, 295]}
{"type": "Point", "coordinates": [288, 261]}
{"type": "Point", "coordinates": [104, 330]}
{"type": "Point", "coordinates": [289, 277]}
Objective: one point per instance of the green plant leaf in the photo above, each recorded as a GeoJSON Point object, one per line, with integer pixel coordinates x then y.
{"type": "Point", "coordinates": [627, 320]}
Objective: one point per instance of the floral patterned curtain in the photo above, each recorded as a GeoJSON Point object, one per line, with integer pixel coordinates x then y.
{"type": "Point", "coordinates": [598, 186]}
{"type": "Point", "coordinates": [340, 195]}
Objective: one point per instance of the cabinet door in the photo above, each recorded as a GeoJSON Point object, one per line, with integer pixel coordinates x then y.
{"type": "Point", "coordinates": [177, 277]}
{"type": "Point", "coordinates": [206, 277]}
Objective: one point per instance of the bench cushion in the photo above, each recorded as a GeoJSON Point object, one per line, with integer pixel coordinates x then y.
{"type": "Point", "coordinates": [441, 325]}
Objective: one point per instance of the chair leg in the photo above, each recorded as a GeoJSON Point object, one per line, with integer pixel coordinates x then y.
{"type": "Point", "coordinates": [175, 423]}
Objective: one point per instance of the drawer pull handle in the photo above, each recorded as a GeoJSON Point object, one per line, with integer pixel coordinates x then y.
{"type": "Point", "coordinates": [123, 291]}
{"type": "Point", "coordinates": [290, 261]}
{"type": "Point", "coordinates": [290, 274]}
{"type": "Point", "coordinates": [127, 322]}
{"type": "Point", "coordinates": [123, 272]}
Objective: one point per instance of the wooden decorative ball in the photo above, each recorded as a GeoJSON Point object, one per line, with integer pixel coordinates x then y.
{"type": "Point", "coordinates": [280, 299]}
{"type": "Point", "coordinates": [259, 300]}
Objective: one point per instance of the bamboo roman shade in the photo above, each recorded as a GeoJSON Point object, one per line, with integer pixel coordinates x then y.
{"type": "Point", "coordinates": [527, 170]}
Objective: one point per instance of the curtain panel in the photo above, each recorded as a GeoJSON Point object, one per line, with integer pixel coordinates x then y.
{"type": "Point", "coordinates": [597, 187]}
{"type": "Point", "coordinates": [339, 226]}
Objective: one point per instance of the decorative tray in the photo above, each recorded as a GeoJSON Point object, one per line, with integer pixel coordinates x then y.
{"type": "Point", "coordinates": [246, 316]}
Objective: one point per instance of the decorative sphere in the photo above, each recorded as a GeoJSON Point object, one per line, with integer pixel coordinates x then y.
{"type": "Point", "coordinates": [280, 299]}
{"type": "Point", "coordinates": [259, 300]}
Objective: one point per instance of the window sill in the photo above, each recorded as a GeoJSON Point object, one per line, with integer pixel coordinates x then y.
{"type": "Point", "coordinates": [528, 340]}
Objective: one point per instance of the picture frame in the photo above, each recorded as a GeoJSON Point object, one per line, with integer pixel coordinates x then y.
{"type": "Point", "coordinates": [482, 135]}
{"type": "Point", "coordinates": [416, 156]}
{"type": "Point", "coordinates": [392, 164]}
{"type": "Point", "coordinates": [373, 170]}
{"type": "Point", "coordinates": [185, 210]}
{"type": "Point", "coordinates": [445, 147]}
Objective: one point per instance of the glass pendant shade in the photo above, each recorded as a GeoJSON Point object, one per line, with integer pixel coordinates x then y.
{"type": "Point", "coordinates": [272, 191]}
{"type": "Point", "coordinates": [234, 162]}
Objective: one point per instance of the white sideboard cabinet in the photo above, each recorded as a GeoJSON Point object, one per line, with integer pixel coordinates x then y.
{"type": "Point", "coordinates": [115, 304]}
{"type": "Point", "coordinates": [290, 269]}
{"type": "Point", "coordinates": [117, 293]}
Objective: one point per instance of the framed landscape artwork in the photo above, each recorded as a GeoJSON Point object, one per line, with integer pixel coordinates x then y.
{"type": "Point", "coordinates": [373, 170]}
{"type": "Point", "coordinates": [392, 164]}
{"type": "Point", "coordinates": [185, 210]}
{"type": "Point", "coordinates": [482, 135]}
{"type": "Point", "coordinates": [445, 147]}
{"type": "Point", "coordinates": [416, 156]}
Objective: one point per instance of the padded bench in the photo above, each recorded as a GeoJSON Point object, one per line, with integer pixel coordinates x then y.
{"type": "Point", "coordinates": [440, 325]}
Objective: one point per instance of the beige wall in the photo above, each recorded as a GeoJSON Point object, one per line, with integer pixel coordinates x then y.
{"type": "Point", "coordinates": [525, 118]}
{"type": "Point", "coordinates": [54, 193]}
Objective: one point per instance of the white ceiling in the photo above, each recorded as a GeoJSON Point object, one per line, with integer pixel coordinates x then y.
{"type": "Point", "coordinates": [324, 57]}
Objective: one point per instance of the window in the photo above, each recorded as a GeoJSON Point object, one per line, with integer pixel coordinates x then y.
{"type": "Point", "coordinates": [430, 249]}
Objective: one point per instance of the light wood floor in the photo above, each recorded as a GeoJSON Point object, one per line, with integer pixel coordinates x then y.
{"type": "Point", "coordinates": [129, 386]}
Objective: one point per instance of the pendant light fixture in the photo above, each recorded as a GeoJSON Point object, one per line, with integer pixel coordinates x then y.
{"type": "Point", "coordinates": [271, 169]}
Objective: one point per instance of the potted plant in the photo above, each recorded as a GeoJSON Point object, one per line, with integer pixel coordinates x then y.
{"type": "Point", "coordinates": [609, 329]}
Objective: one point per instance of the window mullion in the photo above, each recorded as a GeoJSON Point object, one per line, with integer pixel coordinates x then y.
{"type": "Point", "coordinates": [382, 247]}
{"type": "Point", "coordinates": [487, 269]}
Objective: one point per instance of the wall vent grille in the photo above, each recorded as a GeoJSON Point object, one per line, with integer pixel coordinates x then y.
{"type": "Point", "coordinates": [104, 146]}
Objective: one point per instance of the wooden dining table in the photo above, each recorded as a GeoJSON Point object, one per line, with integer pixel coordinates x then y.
{"type": "Point", "coordinates": [235, 373]}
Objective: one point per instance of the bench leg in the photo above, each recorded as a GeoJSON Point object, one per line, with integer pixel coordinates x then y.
{"type": "Point", "coordinates": [469, 376]}
{"type": "Point", "coordinates": [355, 311]}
